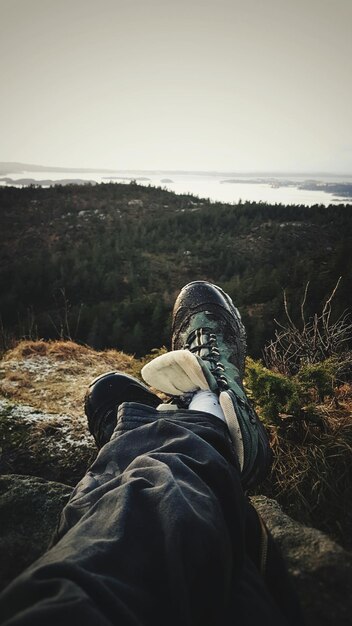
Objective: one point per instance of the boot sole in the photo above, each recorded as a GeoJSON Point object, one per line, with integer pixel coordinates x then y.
{"type": "Point", "coordinates": [175, 373]}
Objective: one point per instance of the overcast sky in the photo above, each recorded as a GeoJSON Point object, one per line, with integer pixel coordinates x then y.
{"type": "Point", "coordinates": [227, 85]}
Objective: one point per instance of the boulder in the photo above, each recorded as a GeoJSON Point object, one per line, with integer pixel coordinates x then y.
{"type": "Point", "coordinates": [29, 512]}
{"type": "Point", "coordinates": [53, 446]}
{"type": "Point", "coordinates": [320, 569]}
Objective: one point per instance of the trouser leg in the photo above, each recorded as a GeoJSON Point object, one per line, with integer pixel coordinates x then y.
{"type": "Point", "coordinates": [153, 534]}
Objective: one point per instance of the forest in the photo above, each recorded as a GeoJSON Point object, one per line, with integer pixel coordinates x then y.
{"type": "Point", "coordinates": [102, 264]}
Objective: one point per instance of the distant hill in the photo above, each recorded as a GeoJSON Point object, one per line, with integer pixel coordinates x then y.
{"type": "Point", "coordinates": [19, 168]}
{"type": "Point", "coordinates": [102, 264]}
{"type": "Point", "coordinates": [12, 167]}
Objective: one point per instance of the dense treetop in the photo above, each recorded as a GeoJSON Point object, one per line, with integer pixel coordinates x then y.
{"type": "Point", "coordinates": [104, 263]}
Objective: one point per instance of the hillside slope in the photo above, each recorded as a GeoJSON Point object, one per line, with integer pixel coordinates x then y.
{"type": "Point", "coordinates": [102, 264]}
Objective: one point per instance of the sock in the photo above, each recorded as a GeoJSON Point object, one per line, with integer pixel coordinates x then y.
{"type": "Point", "coordinates": [208, 402]}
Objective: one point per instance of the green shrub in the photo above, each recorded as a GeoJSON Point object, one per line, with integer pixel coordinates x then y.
{"type": "Point", "coordinates": [318, 378]}
{"type": "Point", "coordinates": [274, 393]}
{"type": "Point", "coordinates": [311, 476]}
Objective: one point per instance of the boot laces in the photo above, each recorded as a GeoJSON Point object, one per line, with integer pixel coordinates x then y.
{"type": "Point", "coordinates": [204, 344]}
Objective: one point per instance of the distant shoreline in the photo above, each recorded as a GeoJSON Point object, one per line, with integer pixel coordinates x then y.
{"type": "Point", "coordinates": [307, 190]}
{"type": "Point", "coordinates": [343, 190]}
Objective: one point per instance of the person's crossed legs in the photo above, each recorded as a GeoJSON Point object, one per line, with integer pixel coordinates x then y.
{"type": "Point", "coordinates": [159, 531]}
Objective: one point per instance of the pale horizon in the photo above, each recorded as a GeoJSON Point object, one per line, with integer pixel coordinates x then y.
{"type": "Point", "coordinates": [225, 86]}
{"type": "Point", "coordinates": [58, 168]}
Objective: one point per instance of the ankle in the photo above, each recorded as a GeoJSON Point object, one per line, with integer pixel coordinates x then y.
{"type": "Point", "coordinates": [208, 402]}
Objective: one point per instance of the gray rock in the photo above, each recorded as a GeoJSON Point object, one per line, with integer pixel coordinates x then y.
{"type": "Point", "coordinates": [29, 512]}
{"type": "Point", "coordinates": [50, 445]}
{"type": "Point", "coordinates": [321, 570]}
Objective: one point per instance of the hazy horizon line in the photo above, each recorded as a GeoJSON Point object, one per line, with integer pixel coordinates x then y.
{"type": "Point", "coordinates": [31, 167]}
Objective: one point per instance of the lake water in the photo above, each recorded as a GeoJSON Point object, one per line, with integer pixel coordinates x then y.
{"type": "Point", "coordinates": [210, 186]}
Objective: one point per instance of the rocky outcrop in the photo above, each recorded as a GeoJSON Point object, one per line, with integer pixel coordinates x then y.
{"type": "Point", "coordinates": [29, 512]}
{"type": "Point", "coordinates": [320, 569]}
{"type": "Point", "coordinates": [49, 445]}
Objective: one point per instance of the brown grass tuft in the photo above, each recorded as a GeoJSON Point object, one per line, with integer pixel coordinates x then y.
{"type": "Point", "coordinates": [53, 376]}
{"type": "Point", "coordinates": [27, 348]}
{"type": "Point", "coordinates": [60, 349]}
{"type": "Point", "coordinates": [312, 471]}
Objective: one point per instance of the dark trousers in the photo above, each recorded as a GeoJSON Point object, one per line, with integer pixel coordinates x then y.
{"type": "Point", "coordinates": [158, 532]}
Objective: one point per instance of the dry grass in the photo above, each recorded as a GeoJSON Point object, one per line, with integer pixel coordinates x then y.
{"type": "Point", "coordinates": [60, 350]}
{"type": "Point", "coordinates": [312, 471]}
{"type": "Point", "coordinates": [53, 376]}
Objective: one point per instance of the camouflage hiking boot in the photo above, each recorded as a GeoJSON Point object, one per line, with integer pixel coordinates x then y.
{"type": "Point", "coordinates": [206, 322]}
{"type": "Point", "coordinates": [103, 398]}
{"type": "Point", "coordinates": [209, 344]}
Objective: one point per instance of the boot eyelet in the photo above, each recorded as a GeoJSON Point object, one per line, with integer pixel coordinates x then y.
{"type": "Point", "coordinates": [220, 366]}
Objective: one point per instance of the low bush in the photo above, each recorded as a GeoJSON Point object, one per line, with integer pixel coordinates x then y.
{"type": "Point", "coordinates": [317, 379]}
{"type": "Point", "coordinates": [311, 437]}
{"type": "Point", "coordinates": [273, 393]}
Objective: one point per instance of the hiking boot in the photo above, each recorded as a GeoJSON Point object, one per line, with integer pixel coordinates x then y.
{"type": "Point", "coordinates": [206, 322]}
{"type": "Point", "coordinates": [209, 344]}
{"type": "Point", "coordinates": [103, 398]}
